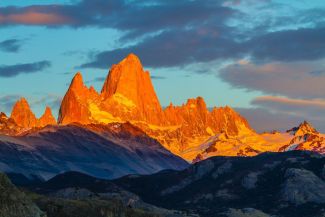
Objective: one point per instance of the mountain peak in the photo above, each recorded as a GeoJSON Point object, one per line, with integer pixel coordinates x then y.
{"type": "Point", "coordinates": [21, 104]}
{"type": "Point", "coordinates": [47, 118]}
{"type": "Point", "coordinates": [22, 114]}
{"type": "Point", "coordinates": [48, 111]}
{"type": "Point", "coordinates": [132, 58]}
{"type": "Point", "coordinates": [129, 85]}
{"type": "Point", "coordinates": [3, 116]}
{"type": "Point", "coordinates": [78, 75]}
{"type": "Point", "coordinates": [304, 128]}
{"type": "Point", "coordinates": [92, 89]}
{"type": "Point", "coordinates": [77, 82]}
{"type": "Point", "coordinates": [124, 77]}
{"type": "Point", "coordinates": [73, 106]}
{"type": "Point", "coordinates": [197, 102]}
{"type": "Point", "coordinates": [22, 101]}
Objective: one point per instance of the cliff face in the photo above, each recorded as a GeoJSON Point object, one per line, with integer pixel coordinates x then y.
{"type": "Point", "coordinates": [74, 106]}
{"type": "Point", "coordinates": [129, 94]}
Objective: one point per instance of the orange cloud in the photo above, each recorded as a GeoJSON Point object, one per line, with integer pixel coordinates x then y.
{"type": "Point", "coordinates": [294, 108]}
{"type": "Point", "coordinates": [320, 103]}
{"type": "Point", "coordinates": [300, 79]}
{"type": "Point", "coordinates": [34, 18]}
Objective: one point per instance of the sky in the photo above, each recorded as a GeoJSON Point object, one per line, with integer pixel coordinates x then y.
{"type": "Point", "coordinates": [265, 58]}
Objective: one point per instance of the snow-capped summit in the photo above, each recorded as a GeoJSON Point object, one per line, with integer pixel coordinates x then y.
{"type": "Point", "coordinates": [305, 137]}
{"type": "Point", "coordinates": [303, 128]}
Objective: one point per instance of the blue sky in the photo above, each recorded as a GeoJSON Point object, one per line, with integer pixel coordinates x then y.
{"type": "Point", "coordinates": [265, 58]}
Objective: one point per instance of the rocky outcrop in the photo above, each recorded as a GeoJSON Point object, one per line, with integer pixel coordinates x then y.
{"type": "Point", "coordinates": [8, 126]}
{"type": "Point", "coordinates": [212, 186]}
{"type": "Point", "coordinates": [14, 203]}
{"type": "Point", "coordinates": [246, 212]}
{"type": "Point", "coordinates": [250, 180]}
{"type": "Point", "coordinates": [303, 186]}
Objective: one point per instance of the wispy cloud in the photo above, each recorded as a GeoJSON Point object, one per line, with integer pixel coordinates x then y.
{"type": "Point", "coordinates": [10, 45]}
{"type": "Point", "coordinates": [157, 77]}
{"type": "Point", "coordinates": [272, 101]}
{"type": "Point", "coordinates": [317, 73]}
{"type": "Point", "coordinates": [14, 70]}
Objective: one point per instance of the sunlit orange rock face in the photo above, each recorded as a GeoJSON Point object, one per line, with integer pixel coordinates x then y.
{"type": "Point", "coordinates": [47, 118]}
{"type": "Point", "coordinates": [194, 124]}
{"type": "Point", "coordinates": [305, 137]}
{"type": "Point", "coordinates": [74, 106]}
{"type": "Point", "coordinates": [196, 117]}
{"type": "Point", "coordinates": [190, 130]}
{"type": "Point", "coordinates": [8, 126]}
{"type": "Point", "coordinates": [128, 93]}
{"type": "Point", "coordinates": [23, 116]}
{"type": "Point", "coordinates": [128, 96]}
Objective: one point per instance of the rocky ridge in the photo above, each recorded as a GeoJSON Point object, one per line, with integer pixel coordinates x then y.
{"type": "Point", "coordinates": [14, 203]}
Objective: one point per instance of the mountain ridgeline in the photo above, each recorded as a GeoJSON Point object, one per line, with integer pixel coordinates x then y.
{"type": "Point", "coordinates": [191, 130]}
{"type": "Point", "coordinates": [271, 184]}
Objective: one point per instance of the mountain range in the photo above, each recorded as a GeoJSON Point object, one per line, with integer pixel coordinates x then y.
{"type": "Point", "coordinates": [118, 152]}
{"type": "Point", "coordinates": [108, 151]}
{"type": "Point", "coordinates": [124, 129]}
